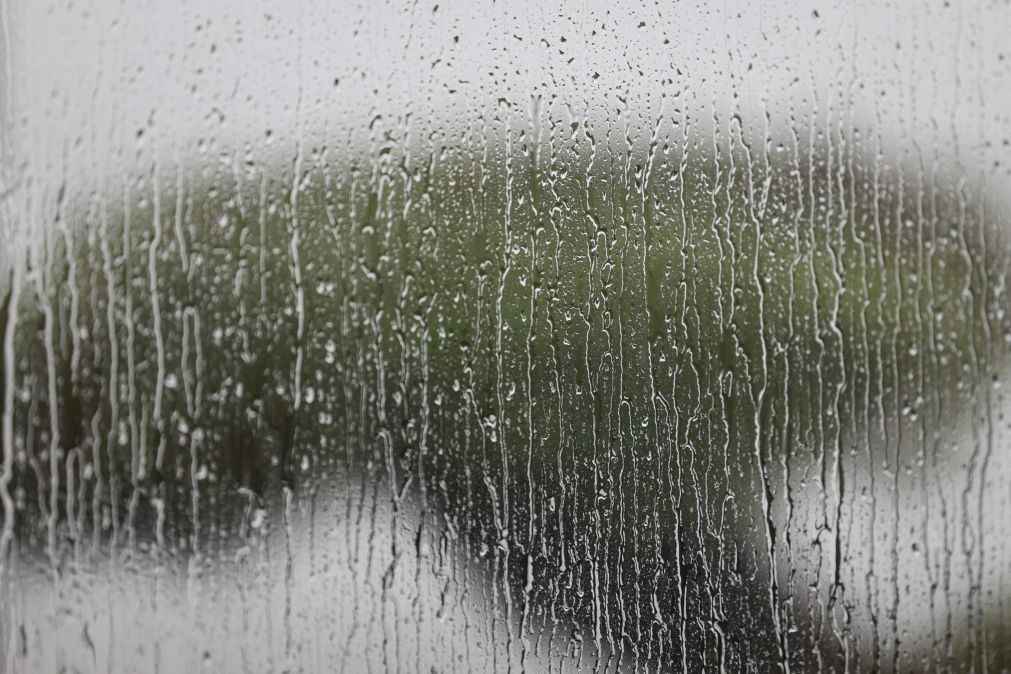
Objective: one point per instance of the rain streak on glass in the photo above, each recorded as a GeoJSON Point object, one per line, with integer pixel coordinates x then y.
{"type": "Point", "coordinates": [514, 337]}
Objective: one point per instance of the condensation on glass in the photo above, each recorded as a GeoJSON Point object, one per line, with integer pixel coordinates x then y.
{"type": "Point", "coordinates": [504, 336]}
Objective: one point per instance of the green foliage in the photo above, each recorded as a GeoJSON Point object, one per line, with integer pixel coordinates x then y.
{"type": "Point", "coordinates": [583, 359]}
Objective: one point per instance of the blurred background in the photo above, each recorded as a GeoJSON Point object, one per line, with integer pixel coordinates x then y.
{"type": "Point", "coordinates": [408, 336]}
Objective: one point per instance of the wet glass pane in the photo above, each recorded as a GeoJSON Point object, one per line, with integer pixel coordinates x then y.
{"type": "Point", "coordinates": [504, 336]}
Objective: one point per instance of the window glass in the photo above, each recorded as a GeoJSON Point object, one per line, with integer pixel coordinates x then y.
{"type": "Point", "coordinates": [504, 336]}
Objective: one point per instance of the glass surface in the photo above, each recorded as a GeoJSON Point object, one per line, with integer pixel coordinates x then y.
{"type": "Point", "coordinates": [504, 336]}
